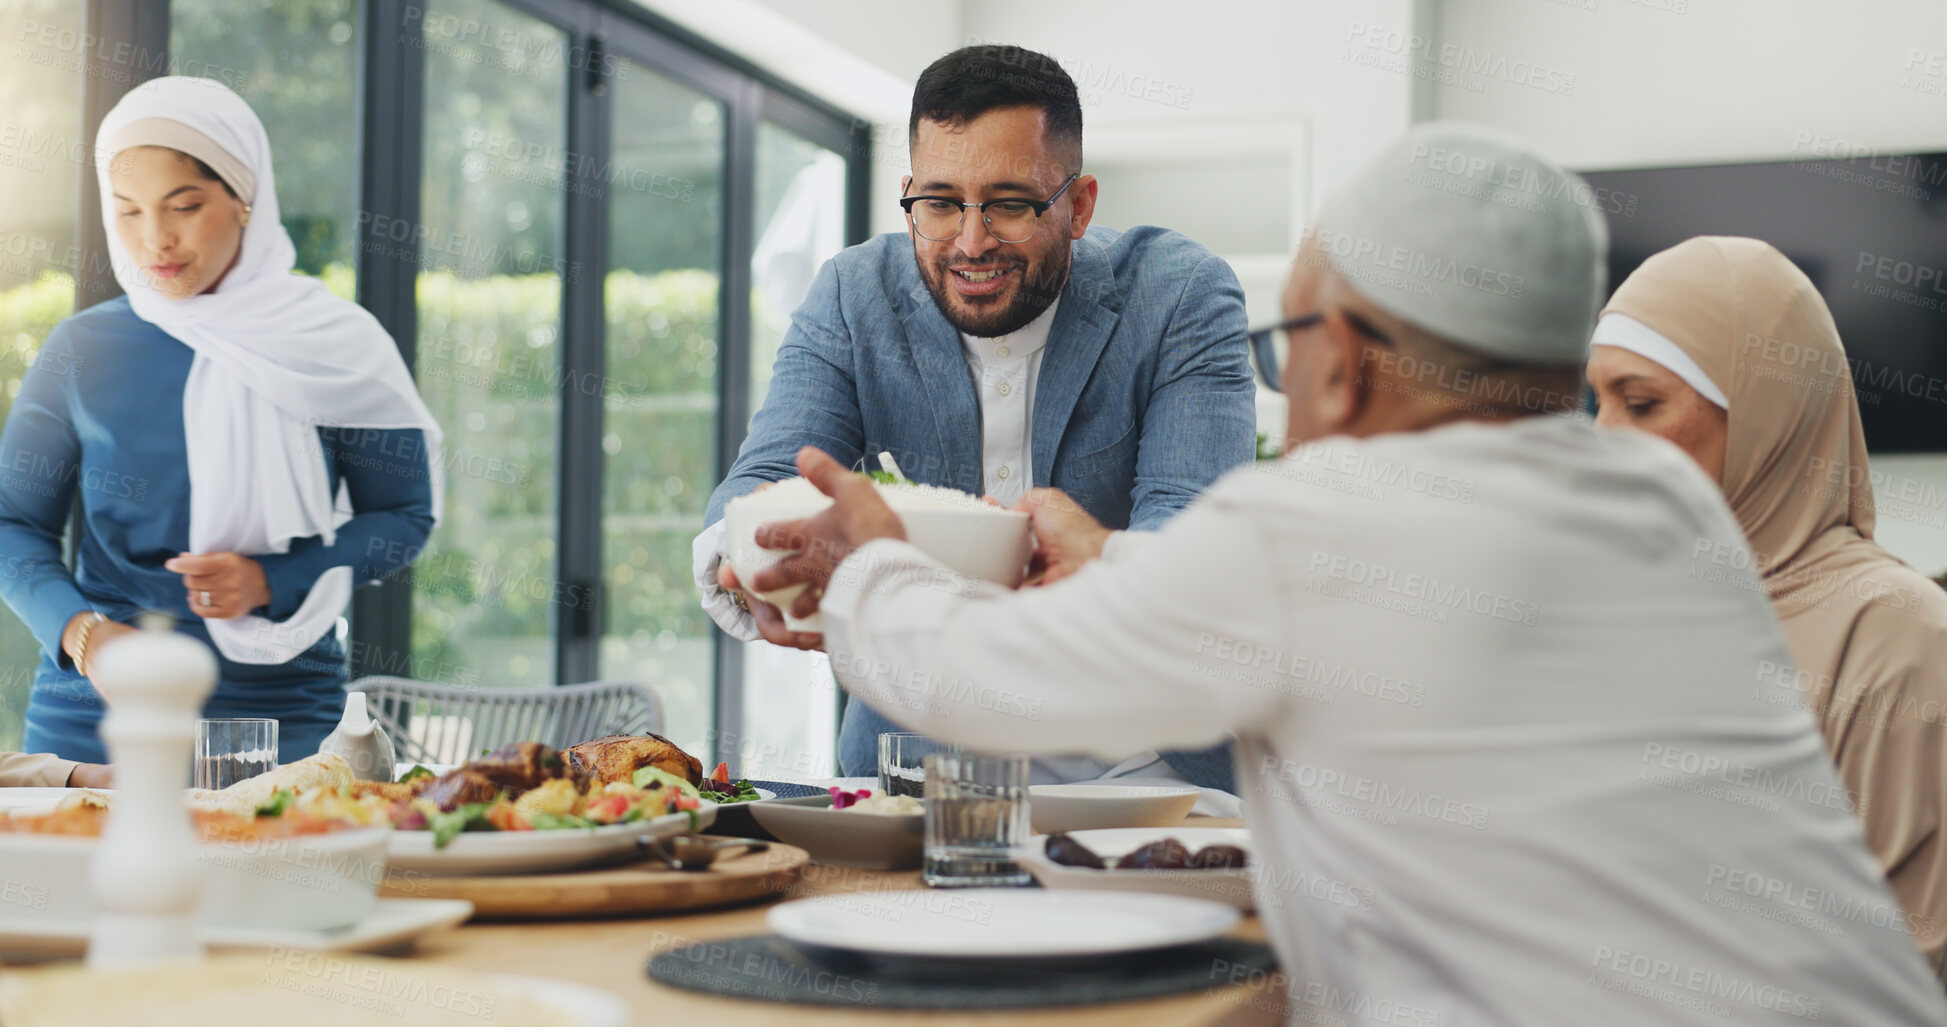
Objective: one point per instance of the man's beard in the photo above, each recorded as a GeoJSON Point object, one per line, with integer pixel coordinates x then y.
{"type": "Point", "coordinates": [1033, 295]}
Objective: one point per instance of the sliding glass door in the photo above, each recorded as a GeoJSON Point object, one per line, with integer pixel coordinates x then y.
{"type": "Point", "coordinates": [492, 267]}
{"type": "Point", "coordinates": [586, 230]}
{"type": "Point", "coordinates": [665, 188]}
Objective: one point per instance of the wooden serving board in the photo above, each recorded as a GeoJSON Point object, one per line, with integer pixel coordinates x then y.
{"type": "Point", "coordinates": [639, 887]}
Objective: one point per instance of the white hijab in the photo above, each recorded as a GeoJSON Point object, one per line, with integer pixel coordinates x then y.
{"type": "Point", "coordinates": [277, 356]}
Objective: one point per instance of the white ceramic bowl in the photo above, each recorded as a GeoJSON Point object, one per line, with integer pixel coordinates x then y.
{"type": "Point", "coordinates": [308, 883]}
{"type": "Point", "coordinates": [987, 545]}
{"type": "Point", "coordinates": [845, 837]}
{"type": "Point", "coordinates": [1232, 886]}
{"type": "Point", "coordinates": [1087, 807]}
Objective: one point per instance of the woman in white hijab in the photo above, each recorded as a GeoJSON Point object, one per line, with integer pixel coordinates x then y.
{"type": "Point", "coordinates": [1725, 348]}
{"type": "Point", "coordinates": [245, 445]}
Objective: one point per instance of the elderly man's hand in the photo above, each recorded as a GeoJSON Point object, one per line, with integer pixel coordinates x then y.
{"type": "Point", "coordinates": [857, 516]}
{"type": "Point", "coordinates": [1065, 536]}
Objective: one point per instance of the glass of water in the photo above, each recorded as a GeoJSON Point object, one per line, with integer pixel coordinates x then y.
{"type": "Point", "coordinates": [976, 812]}
{"type": "Point", "coordinates": [902, 766]}
{"type": "Point", "coordinates": [228, 751]}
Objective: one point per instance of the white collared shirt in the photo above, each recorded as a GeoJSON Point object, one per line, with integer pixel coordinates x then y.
{"type": "Point", "coordinates": [1005, 369]}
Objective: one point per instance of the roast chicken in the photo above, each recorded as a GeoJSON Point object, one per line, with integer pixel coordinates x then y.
{"type": "Point", "coordinates": [618, 757]}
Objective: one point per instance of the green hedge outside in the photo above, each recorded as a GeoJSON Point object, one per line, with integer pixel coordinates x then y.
{"type": "Point", "coordinates": [660, 394]}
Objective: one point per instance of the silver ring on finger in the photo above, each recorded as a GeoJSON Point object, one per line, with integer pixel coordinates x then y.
{"type": "Point", "coordinates": [206, 598]}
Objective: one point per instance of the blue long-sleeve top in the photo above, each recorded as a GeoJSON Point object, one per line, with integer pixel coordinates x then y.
{"type": "Point", "coordinates": [100, 415]}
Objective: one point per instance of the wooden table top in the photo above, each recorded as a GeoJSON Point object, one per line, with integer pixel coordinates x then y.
{"type": "Point", "coordinates": [614, 955]}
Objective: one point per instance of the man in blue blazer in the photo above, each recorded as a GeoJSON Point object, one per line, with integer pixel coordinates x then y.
{"type": "Point", "coordinates": [1002, 344]}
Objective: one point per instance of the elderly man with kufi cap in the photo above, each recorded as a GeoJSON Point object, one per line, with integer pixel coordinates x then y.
{"type": "Point", "coordinates": [1495, 673]}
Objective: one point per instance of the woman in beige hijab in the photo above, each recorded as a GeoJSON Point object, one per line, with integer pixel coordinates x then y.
{"type": "Point", "coordinates": [1725, 348]}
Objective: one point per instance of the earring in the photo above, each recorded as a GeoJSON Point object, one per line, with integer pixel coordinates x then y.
{"type": "Point", "coordinates": [245, 220]}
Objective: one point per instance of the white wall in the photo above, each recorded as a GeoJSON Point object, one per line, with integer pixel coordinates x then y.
{"type": "Point", "coordinates": [1723, 80]}
{"type": "Point", "coordinates": [1701, 81]}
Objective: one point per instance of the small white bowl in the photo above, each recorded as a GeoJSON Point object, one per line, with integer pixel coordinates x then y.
{"type": "Point", "coordinates": [845, 837]}
{"type": "Point", "coordinates": [989, 545]}
{"type": "Point", "coordinates": [314, 882]}
{"type": "Point", "coordinates": [1088, 807]}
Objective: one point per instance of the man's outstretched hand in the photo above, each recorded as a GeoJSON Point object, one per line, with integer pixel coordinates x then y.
{"type": "Point", "coordinates": [1065, 537]}
{"type": "Point", "coordinates": [819, 544]}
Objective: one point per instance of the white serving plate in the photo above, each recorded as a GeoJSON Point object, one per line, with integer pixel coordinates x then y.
{"type": "Point", "coordinates": [310, 882]}
{"type": "Point", "coordinates": [529, 852]}
{"type": "Point", "coordinates": [392, 924]}
{"type": "Point", "coordinates": [985, 923]}
{"type": "Point", "coordinates": [1230, 886]}
{"type": "Point", "coordinates": [26, 801]}
{"type": "Point", "coordinates": [845, 837]}
{"type": "Point", "coordinates": [1088, 807]}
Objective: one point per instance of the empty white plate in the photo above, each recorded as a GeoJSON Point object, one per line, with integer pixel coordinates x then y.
{"type": "Point", "coordinates": [999, 922]}
{"type": "Point", "coordinates": [1086, 807]}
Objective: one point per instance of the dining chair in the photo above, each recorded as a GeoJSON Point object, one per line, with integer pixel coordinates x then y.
{"type": "Point", "coordinates": [432, 722]}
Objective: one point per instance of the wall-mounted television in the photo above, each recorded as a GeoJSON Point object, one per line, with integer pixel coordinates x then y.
{"type": "Point", "coordinates": [1871, 231]}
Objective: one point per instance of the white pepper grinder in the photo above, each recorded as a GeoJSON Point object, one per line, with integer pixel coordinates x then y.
{"type": "Point", "coordinates": [147, 878]}
{"type": "Point", "coordinates": [361, 741]}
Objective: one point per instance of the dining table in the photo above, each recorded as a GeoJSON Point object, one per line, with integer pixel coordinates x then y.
{"type": "Point", "coordinates": [613, 954]}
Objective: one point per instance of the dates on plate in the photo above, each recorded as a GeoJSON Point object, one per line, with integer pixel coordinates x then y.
{"type": "Point", "coordinates": [1163, 854]}
{"type": "Point", "coordinates": [1070, 853]}
{"type": "Point", "coordinates": [1219, 857]}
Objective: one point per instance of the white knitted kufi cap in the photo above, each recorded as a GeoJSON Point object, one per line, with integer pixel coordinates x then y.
{"type": "Point", "coordinates": [1475, 238]}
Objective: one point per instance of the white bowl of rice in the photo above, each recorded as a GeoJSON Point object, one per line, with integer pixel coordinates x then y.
{"type": "Point", "coordinates": [973, 537]}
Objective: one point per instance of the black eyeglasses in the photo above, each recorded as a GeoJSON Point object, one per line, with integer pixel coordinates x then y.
{"type": "Point", "coordinates": [1264, 345]}
{"type": "Point", "coordinates": [940, 218]}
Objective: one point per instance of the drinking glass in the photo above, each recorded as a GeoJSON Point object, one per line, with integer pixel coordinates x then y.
{"type": "Point", "coordinates": [976, 812]}
{"type": "Point", "coordinates": [902, 767]}
{"type": "Point", "coordinates": [228, 751]}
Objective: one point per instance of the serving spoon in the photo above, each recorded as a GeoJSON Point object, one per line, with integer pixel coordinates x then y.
{"type": "Point", "coordinates": [690, 852]}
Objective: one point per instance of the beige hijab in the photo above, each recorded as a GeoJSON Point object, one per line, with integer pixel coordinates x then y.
{"type": "Point", "coordinates": [1868, 633]}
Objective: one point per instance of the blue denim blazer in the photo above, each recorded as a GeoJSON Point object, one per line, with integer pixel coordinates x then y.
{"type": "Point", "coordinates": [1143, 399]}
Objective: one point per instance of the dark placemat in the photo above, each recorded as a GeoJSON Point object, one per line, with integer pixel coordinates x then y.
{"type": "Point", "coordinates": [772, 969]}
{"type": "Point", "coordinates": [735, 820]}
